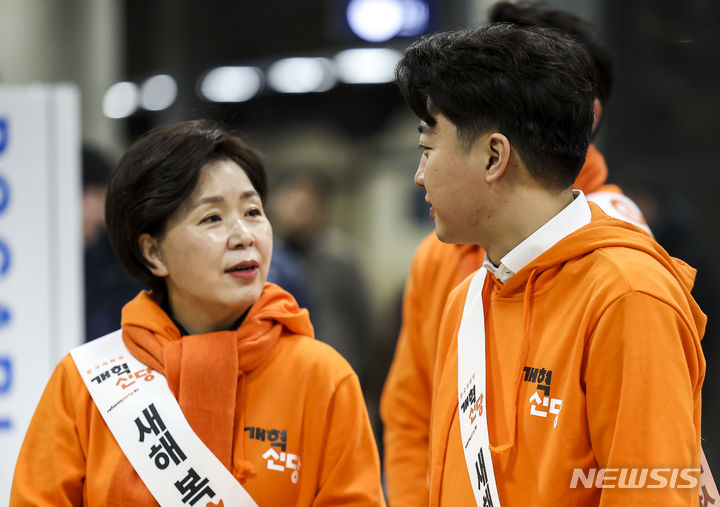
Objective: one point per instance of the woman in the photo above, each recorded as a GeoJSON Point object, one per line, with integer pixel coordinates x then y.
{"type": "Point", "coordinates": [279, 411]}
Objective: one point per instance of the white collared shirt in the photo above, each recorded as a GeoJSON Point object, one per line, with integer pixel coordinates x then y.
{"type": "Point", "coordinates": [574, 216]}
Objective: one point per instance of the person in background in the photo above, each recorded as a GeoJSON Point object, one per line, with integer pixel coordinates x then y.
{"type": "Point", "coordinates": [107, 285]}
{"type": "Point", "coordinates": [277, 416]}
{"type": "Point", "coordinates": [338, 293]}
{"type": "Point", "coordinates": [289, 273]}
{"type": "Point", "coordinates": [576, 347]}
{"type": "Point", "coordinates": [437, 268]}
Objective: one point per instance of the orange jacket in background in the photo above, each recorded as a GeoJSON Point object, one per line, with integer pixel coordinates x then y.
{"type": "Point", "coordinates": [436, 269]}
{"type": "Point", "coordinates": [604, 326]}
{"type": "Point", "coordinates": [284, 391]}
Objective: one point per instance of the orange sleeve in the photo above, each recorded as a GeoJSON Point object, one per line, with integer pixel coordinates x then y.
{"type": "Point", "coordinates": [644, 372]}
{"type": "Point", "coordinates": [350, 470]}
{"type": "Point", "coordinates": [406, 399]}
{"type": "Point", "coordinates": [51, 466]}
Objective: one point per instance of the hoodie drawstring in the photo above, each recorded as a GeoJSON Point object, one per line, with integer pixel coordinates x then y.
{"type": "Point", "coordinates": [241, 468]}
{"type": "Point", "coordinates": [522, 358]}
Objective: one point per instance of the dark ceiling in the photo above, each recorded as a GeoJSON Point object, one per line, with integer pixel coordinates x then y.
{"type": "Point", "coordinates": [185, 38]}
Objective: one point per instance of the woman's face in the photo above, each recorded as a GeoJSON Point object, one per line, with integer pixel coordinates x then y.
{"type": "Point", "coordinates": [216, 250]}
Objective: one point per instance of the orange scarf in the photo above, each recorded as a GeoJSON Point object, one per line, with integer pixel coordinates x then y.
{"type": "Point", "coordinates": [206, 374]}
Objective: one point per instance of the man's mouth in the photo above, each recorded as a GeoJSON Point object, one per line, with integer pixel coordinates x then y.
{"type": "Point", "coordinates": [431, 211]}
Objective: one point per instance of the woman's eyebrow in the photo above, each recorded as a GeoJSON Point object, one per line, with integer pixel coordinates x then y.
{"type": "Point", "coordinates": [216, 199]}
{"type": "Point", "coordinates": [212, 199]}
{"type": "Point", "coordinates": [249, 194]}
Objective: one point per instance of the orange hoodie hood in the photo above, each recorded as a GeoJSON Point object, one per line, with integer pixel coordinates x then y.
{"type": "Point", "coordinates": [606, 232]}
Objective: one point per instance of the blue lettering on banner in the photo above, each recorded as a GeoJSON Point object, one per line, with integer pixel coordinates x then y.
{"type": "Point", "coordinates": [4, 258]}
{"type": "Point", "coordinates": [5, 316]}
{"type": "Point", "coordinates": [3, 134]}
{"type": "Point", "coordinates": [6, 377]}
{"type": "Point", "coordinates": [6, 367]}
{"type": "Point", "coordinates": [4, 194]}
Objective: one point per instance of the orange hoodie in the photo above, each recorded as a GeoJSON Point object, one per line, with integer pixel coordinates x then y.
{"type": "Point", "coordinates": [282, 411]}
{"type": "Point", "coordinates": [437, 268]}
{"type": "Point", "coordinates": [602, 325]}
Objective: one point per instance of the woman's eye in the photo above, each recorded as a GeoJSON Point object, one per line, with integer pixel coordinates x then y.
{"type": "Point", "coordinates": [254, 212]}
{"type": "Point", "coordinates": [209, 219]}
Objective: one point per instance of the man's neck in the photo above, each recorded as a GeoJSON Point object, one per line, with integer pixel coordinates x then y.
{"type": "Point", "coordinates": [526, 212]}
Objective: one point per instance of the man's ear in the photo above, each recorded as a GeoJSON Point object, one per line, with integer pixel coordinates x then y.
{"type": "Point", "coordinates": [150, 248]}
{"type": "Point", "coordinates": [597, 114]}
{"type": "Point", "coordinates": [499, 149]}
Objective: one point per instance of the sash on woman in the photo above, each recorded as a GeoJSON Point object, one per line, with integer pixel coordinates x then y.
{"type": "Point", "coordinates": [150, 428]}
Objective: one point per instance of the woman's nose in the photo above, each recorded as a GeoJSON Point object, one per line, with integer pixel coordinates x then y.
{"type": "Point", "coordinates": [240, 235]}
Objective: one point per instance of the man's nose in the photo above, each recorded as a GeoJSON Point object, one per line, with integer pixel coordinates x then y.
{"type": "Point", "coordinates": [420, 174]}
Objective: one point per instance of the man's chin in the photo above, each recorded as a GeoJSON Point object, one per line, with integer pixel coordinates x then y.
{"type": "Point", "coordinates": [447, 236]}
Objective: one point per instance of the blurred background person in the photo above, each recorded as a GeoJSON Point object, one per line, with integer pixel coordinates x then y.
{"type": "Point", "coordinates": [107, 285]}
{"type": "Point", "coordinates": [340, 304]}
{"type": "Point", "coordinates": [288, 272]}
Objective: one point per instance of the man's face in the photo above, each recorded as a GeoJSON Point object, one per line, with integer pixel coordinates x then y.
{"type": "Point", "coordinates": [454, 181]}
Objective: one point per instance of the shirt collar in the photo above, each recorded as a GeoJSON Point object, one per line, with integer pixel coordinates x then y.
{"type": "Point", "coordinates": [574, 216]}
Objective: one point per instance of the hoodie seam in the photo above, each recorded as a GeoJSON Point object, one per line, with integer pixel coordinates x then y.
{"type": "Point", "coordinates": [631, 292]}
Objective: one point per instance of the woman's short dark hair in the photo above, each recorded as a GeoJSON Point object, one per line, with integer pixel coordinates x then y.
{"type": "Point", "coordinates": [532, 84]}
{"type": "Point", "coordinates": [157, 174]}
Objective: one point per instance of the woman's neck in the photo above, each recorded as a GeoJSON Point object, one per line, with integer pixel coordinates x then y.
{"type": "Point", "coordinates": [197, 325]}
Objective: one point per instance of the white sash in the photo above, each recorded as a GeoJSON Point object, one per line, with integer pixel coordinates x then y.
{"type": "Point", "coordinates": [472, 395]}
{"type": "Point", "coordinates": [619, 206]}
{"type": "Point", "coordinates": [148, 424]}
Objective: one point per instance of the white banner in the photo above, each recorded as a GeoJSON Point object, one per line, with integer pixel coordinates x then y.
{"type": "Point", "coordinates": [40, 251]}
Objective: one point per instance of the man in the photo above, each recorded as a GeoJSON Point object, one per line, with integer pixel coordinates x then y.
{"type": "Point", "coordinates": [593, 356]}
{"type": "Point", "coordinates": [438, 267]}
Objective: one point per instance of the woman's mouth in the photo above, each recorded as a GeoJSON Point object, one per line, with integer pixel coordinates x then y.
{"type": "Point", "coordinates": [246, 270]}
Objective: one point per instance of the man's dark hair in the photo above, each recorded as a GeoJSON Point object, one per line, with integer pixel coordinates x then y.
{"type": "Point", "coordinates": [533, 14]}
{"type": "Point", "coordinates": [157, 174]}
{"type": "Point", "coordinates": [533, 85]}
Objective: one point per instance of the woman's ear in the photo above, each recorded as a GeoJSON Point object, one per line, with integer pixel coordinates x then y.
{"type": "Point", "coordinates": [150, 249]}
{"type": "Point", "coordinates": [499, 148]}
